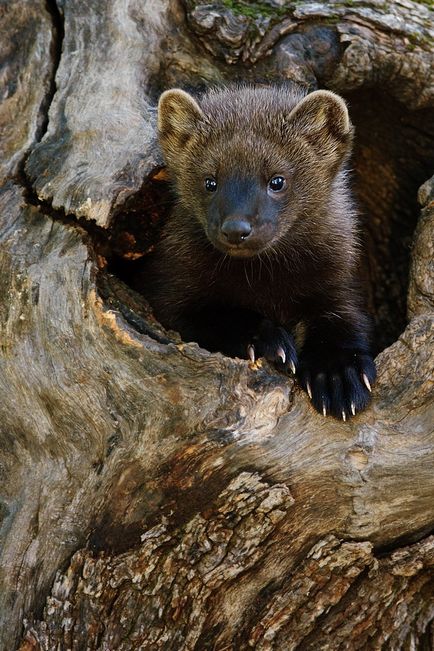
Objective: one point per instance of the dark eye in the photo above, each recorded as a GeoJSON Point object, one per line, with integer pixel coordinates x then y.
{"type": "Point", "coordinates": [277, 183]}
{"type": "Point", "coordinates": [210, 185]}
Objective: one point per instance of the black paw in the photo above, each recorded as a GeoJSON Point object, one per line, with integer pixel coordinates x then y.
{"type": "Point", "coordinates": [276, 345]}
{"type": "Point", "coordinates": [339, 381]}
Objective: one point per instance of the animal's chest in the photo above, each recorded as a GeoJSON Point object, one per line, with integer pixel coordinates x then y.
{"type": "Point", "coordinates": [255, 285]}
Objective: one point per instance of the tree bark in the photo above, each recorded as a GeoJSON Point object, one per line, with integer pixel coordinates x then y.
{"type": "Point", "coordinates": [154, 495]}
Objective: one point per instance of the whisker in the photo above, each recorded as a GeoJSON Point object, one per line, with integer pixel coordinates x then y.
{"type": "Point", "coordinates": [247, 276]}
{"type": "Point", "coordinates": [270, 267]}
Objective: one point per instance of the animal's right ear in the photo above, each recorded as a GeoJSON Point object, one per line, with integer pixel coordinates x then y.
{"type": "Point", "coordinates": [178, 117]}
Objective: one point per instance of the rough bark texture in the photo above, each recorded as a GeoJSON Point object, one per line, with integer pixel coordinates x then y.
{"type": "Point", "coordinates": [153, 495]}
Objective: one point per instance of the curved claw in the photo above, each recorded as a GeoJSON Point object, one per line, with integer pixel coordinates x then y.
{"type": "Point", "coordinates": [281, 354]}
{"type": "Point", "coordinates": [251, 352]}
{"type": "Point", "coordinates": [367, 383]}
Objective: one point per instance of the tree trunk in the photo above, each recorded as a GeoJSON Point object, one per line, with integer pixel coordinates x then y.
{"type": "Point", "coordinates": [154, 495]}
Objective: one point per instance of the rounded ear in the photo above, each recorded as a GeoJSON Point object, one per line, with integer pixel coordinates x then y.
{"type": "Point", "coordinates": [322, 118]}
{"type": "Point", "coordinates": [178, 117]}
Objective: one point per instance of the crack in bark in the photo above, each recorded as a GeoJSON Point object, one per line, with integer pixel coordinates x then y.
{"type": "Point", "coordinates": [403, 543]}
{"type": "Point", "coordinates": [58, 33]}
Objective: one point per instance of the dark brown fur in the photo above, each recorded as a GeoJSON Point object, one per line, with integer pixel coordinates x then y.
{"type": "Point", "coordinates": [301, 261]}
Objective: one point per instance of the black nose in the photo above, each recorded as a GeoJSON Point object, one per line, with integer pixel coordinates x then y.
{"type": "Point", "coordinates": [236, 230]}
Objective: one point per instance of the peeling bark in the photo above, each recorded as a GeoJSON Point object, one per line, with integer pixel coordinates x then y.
{"type": "Point", "coordinates": [154, 495]}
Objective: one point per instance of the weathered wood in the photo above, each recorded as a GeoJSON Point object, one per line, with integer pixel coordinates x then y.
{"type": "Point", "coordinates": [387, 44]}
{"type": "Point", "coordinates": [340, 596]}
{"type": "Point", "coordinates": [100, 161]}
{"type": "Point", "coordinates": [26, 53]}
{"type": "Point", "coordinates": [157, 496]}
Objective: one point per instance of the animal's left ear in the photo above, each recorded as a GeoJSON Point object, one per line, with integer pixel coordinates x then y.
{"type": "Point", "coordinates": [322, 118]}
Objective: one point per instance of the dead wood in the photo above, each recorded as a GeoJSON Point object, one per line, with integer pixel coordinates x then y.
{"type": "Point", "coordinates": [154, 495]}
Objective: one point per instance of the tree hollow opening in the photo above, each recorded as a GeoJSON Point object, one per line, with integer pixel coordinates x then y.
{"type": "Point", "coordinates": [393, 155]}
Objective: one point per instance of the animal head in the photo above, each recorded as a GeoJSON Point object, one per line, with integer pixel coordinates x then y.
{"type": "Point", "coordinates": [251, 163]}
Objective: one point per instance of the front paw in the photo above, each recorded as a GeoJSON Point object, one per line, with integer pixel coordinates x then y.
{"type": "Point", "coordinates": [338, 381]}
{"type": "Point", "coordinates": [276, 345]}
